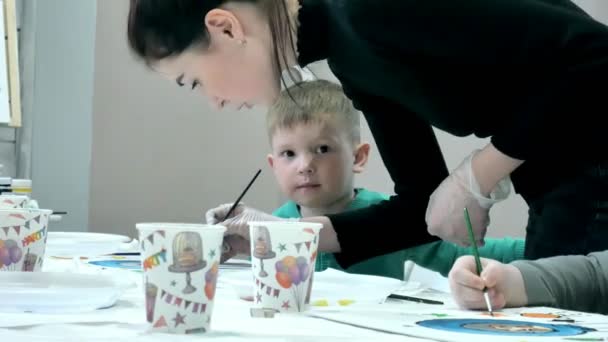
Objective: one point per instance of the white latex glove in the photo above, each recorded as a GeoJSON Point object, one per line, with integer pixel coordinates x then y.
{"type": "Point", "coordinates": [236, 237]}
{"type": "Point", "coordinates": [445, 211]}
{"type": "Point", "coordinates": [236, 224]}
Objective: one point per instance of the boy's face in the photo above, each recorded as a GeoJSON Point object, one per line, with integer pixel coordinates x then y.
{"type": "Point", "coordinates": [314, 163]}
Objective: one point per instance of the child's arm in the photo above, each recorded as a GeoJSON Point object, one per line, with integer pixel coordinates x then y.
{"type": "Point", "coordinates": [504, 250]}
{"type": "Point", "coordinates": [572, 282]}
{"type": "Point", "coordinates": [575, 282]}
{"type": "Point", "coordinates": [440, 256]}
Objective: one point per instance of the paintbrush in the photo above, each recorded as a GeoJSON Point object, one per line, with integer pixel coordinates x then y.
{"type": "Point", "coordinates": [226, 246]}
{"type": "Point", "coordinates": [477, 259]}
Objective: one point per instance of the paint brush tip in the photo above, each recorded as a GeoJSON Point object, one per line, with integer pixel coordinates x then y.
{"type": "Point", "coordinates": [488, 303]}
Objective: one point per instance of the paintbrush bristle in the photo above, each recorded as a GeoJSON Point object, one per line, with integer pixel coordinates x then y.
{"type": "Point", "coordinates": [487, 298]}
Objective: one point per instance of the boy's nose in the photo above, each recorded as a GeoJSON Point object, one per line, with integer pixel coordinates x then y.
{"type": "Point", "coordinates": [306, 166]}
{"type": "Point", "coordinates": [306, 170]}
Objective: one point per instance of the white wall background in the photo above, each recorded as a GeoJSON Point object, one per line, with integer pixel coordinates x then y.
{"type": "Point", "coordinates": [159, 152]}
{"type": "Point", "coordinates": [8, 135]}
{"type": "Point", "coordinates": [597, 8]}
{"type": "Point", "coordinates": [115, 144]}
{"type": "Point", "coordinates": [61, 106]}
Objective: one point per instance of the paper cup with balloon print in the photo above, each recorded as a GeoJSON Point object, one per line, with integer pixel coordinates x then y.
{"type": "Point", "coordinates": [283, 262]}
{"type": "Point", "coordinates": [23, 239]}
{"type": "Point", "coordinates": [13, 201]}
{"type": "Point", "coordinates": [180, 264]}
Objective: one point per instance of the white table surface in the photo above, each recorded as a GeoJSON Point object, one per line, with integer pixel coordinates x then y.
{"type": "Point", "coordinates": [231, 321]}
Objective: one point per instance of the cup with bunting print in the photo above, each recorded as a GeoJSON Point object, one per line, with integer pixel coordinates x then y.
{"type": "Point", "coordinates": [23, 234]}
{"type": "Point", "coordinates": [283, 255]}
{"type": "Point", "coordinates": [180, 263]}
{"type": "Point", "coordinates": [13, 201]}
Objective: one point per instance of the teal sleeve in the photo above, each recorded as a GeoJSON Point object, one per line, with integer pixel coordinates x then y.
{"type": "Point", "coordinates": [503, 250]}
{"type": "Point", "coordinates": [283, 212]}
{"type": "Point", "coordinates": [439, 256]}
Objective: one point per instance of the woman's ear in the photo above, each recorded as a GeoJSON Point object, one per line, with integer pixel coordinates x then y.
{"type": "Point", "coordinates": [224, 25]}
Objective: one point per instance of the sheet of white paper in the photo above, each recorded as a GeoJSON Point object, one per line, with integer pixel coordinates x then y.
{"type": "Point", "coordinates": [419, 290]}
{"type": "Point", "coordinates": [330, 287]}
{"type": "Point", "coordinates": [440, 324]}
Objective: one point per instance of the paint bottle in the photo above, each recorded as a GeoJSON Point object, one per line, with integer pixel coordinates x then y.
{"type": "Point", "coordinates": [5, 185]}
{"type": "Point", "coordinates": [22, 187]}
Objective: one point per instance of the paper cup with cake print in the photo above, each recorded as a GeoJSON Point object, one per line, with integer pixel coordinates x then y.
{"type": "Point", "coordinates": [180, 263]}
{"type": "Point", "coordinates": [23, 235]}
{"type": "Point", "coordinates": [283, 259]}
{"type": "Point", "coordinates": [13, 201]}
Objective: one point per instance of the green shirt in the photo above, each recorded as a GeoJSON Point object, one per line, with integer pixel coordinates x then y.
{"type": "Point", "coordinates": [438, 256]}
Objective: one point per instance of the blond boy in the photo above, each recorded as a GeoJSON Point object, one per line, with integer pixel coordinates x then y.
{"type": "Point", "coordinates": [317, 150]}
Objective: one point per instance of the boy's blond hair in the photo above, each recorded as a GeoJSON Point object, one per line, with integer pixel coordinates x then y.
{"type": "Point", "coordinates": [316, 101]}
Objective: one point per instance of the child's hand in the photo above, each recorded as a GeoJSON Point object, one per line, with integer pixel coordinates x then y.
{"type": "Point", "coordinates": [236, 224]}
{"type": "Point", "coordinates": [504, 282]}
{"type": "Point", "coordinates": [236, 237]}
{"type": "Point", "coordinates": [234, 245]}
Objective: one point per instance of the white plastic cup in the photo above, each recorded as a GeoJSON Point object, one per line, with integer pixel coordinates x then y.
{"type": "Point", "coordinates": [23, 235]}
{"type": "Point", "coordinates": [283, 256]}
{"type": "Point", "coordinates": [180, 264]}
{"type": "Point", "coordinates": [13, 201]}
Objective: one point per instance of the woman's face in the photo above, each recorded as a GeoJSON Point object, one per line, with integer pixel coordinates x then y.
{"type": "Point", "coordinates": [236, 70]}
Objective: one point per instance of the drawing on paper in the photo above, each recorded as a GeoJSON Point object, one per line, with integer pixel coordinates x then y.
{"type": "Point", "coordinates": [503, 327]}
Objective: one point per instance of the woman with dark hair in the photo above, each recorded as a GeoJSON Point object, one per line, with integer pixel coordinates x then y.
{"type": "Point", "coordinates": [526, 73]}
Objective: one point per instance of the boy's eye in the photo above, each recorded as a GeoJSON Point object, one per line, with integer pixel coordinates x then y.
{"type": "Point", "coordinates": [322, 149]}
{"type": "Point", "coordinates": [195, 84]}
{"type": "Point", "coordinates": [288, 154]}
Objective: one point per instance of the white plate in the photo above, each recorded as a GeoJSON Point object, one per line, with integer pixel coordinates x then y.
{"type": "Point", "coordinates": [69, 244]}
{"type": "Point", "coordinates": [57, 292]}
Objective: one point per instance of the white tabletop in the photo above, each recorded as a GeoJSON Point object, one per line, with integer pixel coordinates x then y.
{"type": "Point", "coordinates": [231, 321]}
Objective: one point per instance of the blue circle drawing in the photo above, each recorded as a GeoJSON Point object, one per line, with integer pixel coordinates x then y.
{"type": "Point", "coordinates": [134, 265]}
{"type": "Point", "coordinates": [503, 327]}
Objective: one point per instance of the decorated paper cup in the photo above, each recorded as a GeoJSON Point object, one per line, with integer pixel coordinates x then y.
{"type": "Point", "coordinates": [13, 201]}
{"type": "Point", "coordinates": [283, 256]}
{"type": "Point", "coordinates": [180, 263]}
{"type": "Point", "coordinates": [23, 239]}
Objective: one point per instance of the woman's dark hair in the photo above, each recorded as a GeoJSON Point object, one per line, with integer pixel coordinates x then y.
{"type": "Point", "coordinates": [162, 28]}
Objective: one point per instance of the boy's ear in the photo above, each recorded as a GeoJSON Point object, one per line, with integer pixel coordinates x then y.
{"type": "Point", "coordinates": [361, 157]}
{"type": "Point", "coordinates": [270, 160]}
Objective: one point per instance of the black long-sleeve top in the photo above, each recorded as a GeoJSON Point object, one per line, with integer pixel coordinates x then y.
{"type": "Point", "coordinates": [529, 74]}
